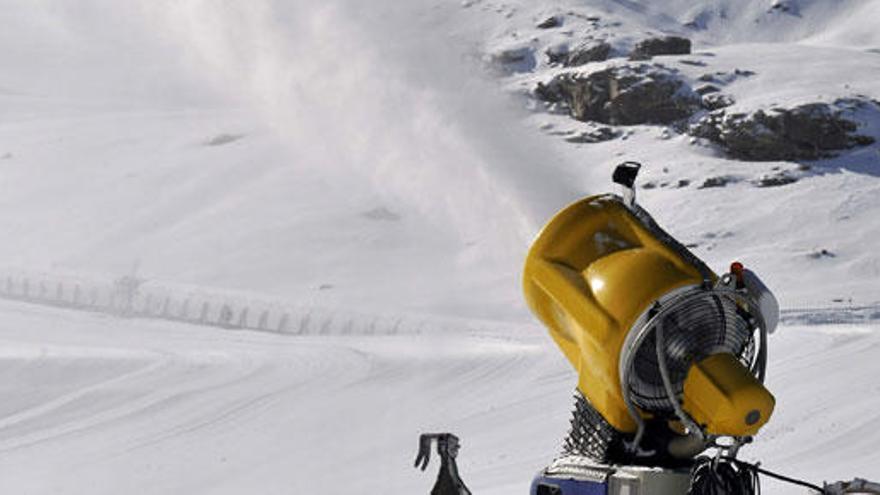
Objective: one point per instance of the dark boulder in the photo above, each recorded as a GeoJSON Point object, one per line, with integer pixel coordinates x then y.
{"type": "Point", "coordinates": [553, 91]}
{"type": "Point", "coordinates": [623, 95]}
{"type": "Point", "coordinates": [666, 45]}
{"type": "Point", "coordinates": [725, 77]}
{"type": "Point", "coordinates": [550, 22]}
{"type": "Point", "coordinates": [805, 132]}
{"type": "Point", "coordinates": [718, 181]}
{"type": "Point", "coordinates": [706, 89]}
{"type": "Point", "coordinates": [775, 180]}
{"type": "Point", "coordinates": [584, 54]}
{"type": "Point", "coordinates": [716, 101]}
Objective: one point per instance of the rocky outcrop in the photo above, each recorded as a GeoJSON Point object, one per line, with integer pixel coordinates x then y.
{"type": "Point", "coordinates": [557, 54]}
{"type": "Point", "coordinates": [514, 59]}
{"type": "Point", "coordinates": [805, 132]}
{"type": "Point", "coordinates": [666, 45]}
{"type": "Point", "coordinates": [725, 77]}
{"type": "Point", "coordinates": [707, 89]}
{"type": "Point", "coordinates": [718, 181]}
{"type": "Point", "coordinates": [775, 180]}
{"type": "Point", "coordinates": [717, 101]}
{"type": "Point", "coordinates": [550, 22]}
{"type": "Point", "coordinates": [626, 95]}
{"type": "Point", "coordinates": [591, 52]}
{"type": "Point", "coordinates": [596, 135]}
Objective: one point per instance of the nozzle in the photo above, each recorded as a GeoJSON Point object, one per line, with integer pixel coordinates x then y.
{"type": "Point", "coordinates": [725, 398]}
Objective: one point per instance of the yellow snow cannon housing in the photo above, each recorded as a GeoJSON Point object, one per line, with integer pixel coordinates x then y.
{"type": "Point", "coordinates": [627, 305]}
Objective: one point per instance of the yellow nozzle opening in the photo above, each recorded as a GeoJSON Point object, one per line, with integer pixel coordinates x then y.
{"type": "Point", "coordinates": [723, 396]}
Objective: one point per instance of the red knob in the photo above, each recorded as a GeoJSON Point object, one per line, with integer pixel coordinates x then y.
{"type": "Point", "coordinates": [736, 268]}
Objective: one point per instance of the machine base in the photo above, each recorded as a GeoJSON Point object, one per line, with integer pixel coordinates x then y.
{"type": "Point", "coordinates": [577, 475]}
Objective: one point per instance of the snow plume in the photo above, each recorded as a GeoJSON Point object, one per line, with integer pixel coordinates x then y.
{"type": "Point", "coordinates": [359, 91]}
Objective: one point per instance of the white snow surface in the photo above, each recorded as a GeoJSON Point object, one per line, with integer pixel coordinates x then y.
{"type": "Point", "coordinates": [359, 155]}
{"type": "Point", "coordinates": [98, 405]}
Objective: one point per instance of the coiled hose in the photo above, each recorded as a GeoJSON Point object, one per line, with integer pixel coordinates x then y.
{"type": "Point", "coordinates": [728, 476]}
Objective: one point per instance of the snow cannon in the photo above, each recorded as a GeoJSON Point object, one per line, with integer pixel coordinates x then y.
{"type": "Point", "coordinates": [670, 356]}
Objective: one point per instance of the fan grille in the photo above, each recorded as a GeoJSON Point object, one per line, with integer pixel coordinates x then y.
{"type": "Point", "coordinates": [703, 324]}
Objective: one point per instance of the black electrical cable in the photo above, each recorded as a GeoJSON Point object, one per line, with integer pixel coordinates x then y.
{"type": "Point", "coordinates": [728, 476]}
{"type": "Point", "coordinates": [713, 476]}
{"type": "Point", "coordinates": [795, 481]}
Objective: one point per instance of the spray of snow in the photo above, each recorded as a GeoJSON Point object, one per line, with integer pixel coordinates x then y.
{"type": "Point", "coordinates": [367, 94]}
{"type": "Point", "coordinates": [374, 106]}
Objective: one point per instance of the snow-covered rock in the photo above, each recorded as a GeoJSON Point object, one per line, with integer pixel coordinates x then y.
{"type": "Point", "coordinates": [595, 51]}
{"type": "Point", "coordinates": [623, 95]}
{"type": "Point", "coordinates": [665, 45]}
{"type": "Point", "coordinates": [805, 132]}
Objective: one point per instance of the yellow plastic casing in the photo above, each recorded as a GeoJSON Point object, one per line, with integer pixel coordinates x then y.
{"type": "Point", "coordinates": [591, 273]}
{"type": "Point", "coordinates": [723, 396]}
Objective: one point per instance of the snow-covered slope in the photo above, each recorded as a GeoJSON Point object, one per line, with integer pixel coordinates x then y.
{"type": "Point", "coordinates": [763, 58]}
{"type": "Point", "coordinates": [97, 406]}
{"type": "Point", "coordinates": [281, 148]}
{"type": "Point", "coordinates": [368, 156]}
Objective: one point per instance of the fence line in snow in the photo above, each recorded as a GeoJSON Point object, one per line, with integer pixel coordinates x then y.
{"type": "Point", "coordinates": [833, 315]}
{"type": "Point", "coordinates": [133, 297]}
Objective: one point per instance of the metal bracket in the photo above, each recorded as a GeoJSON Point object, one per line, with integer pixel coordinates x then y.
{"type": "Point", "coordinates": [625, 174]}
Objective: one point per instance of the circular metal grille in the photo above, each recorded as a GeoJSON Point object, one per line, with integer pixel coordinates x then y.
{"type": "Point", "coordinates": [705, 323]}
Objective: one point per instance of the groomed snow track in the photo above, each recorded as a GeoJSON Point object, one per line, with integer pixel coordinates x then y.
{"type": "Point", "coordinates": [96, 404]}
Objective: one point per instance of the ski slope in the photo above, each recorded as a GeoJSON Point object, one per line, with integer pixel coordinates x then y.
{"type": "Point", "coordinates": [359, 156]}
{"type": "Point", "coordinates": [97, 405]}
